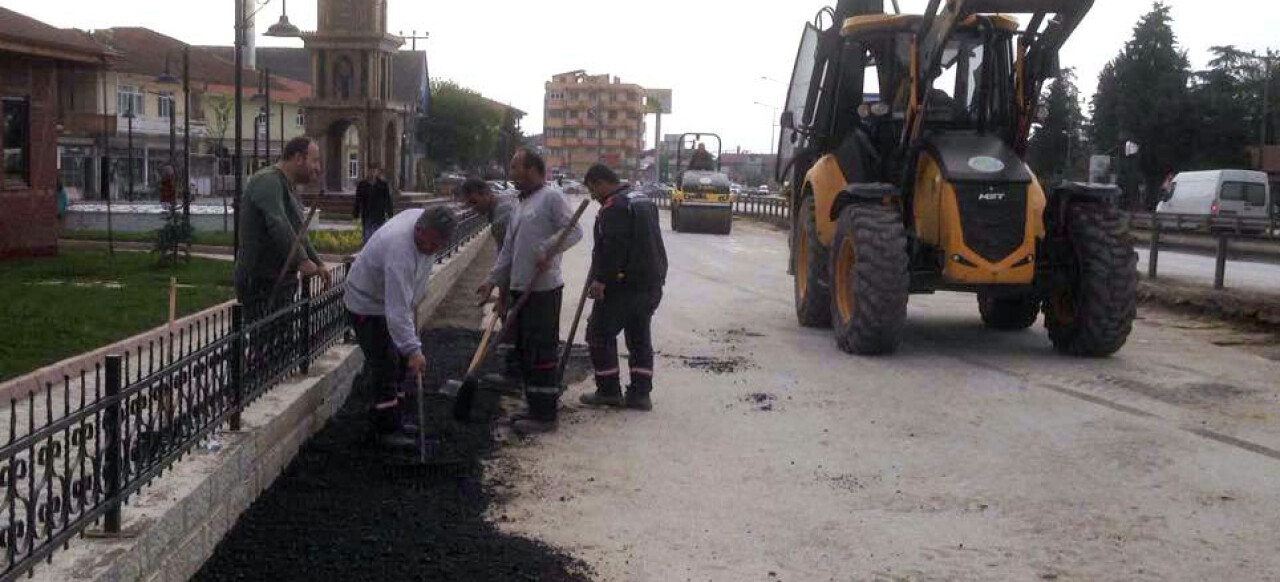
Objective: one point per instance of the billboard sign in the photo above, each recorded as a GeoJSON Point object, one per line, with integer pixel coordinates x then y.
{"type": "Point", "coordinates": [658, 100]}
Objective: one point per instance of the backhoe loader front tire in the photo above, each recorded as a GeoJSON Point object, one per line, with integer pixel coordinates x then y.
{"type": "Point", "coordinates": [812, 285]}
{"type": "Point", "coordinates": [1008, 313]}
{"type": "Point", "coordinates": [869, 279]}
{"type": "Point", "coordinates": [1092, 314]}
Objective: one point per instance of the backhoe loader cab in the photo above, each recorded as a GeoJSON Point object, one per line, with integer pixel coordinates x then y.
{"type": "Point", "coordinates": [905, 135]}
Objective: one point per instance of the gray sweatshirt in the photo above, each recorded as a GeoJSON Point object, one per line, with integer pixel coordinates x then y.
{"type": "Point", "coordinates": [500, 219]}
{"type": "Point", "coordinates": [534, 227]}
{"type": "Point", "coordinates": [389, 279]}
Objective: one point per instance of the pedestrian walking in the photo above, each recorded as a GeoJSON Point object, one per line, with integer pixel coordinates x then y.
{"type": "Point", "coordinates": [542, 214]}
{"type": "Point", "coordinates": [478, 195]}
{"type": "Point", "coordinates": [271, 221]}
{"type": "Point", "coordinates": [628, 272]}
{"type": "Point", "coordinates": [388, 280]}
{"type": "Point", "coordinates": [373, 203]}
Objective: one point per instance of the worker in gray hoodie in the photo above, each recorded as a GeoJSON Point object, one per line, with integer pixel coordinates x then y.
{"type": "Point", "coordinates": [387, 281]}
{"type": "Point", "coordinates": [543, 213]}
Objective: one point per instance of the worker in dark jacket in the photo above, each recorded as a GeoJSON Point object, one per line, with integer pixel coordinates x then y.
{"type": "Point", "coordinates": [373, 203]}
{"type": "Point", "coordinates": [270, 223]}
{"type": "Point", "coordinates": [702, 160]}
{"type": "Point", "coordinates": [628, 271]}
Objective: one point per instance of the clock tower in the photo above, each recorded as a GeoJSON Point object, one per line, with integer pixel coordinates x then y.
{"type": "Point", "coordinates": [351, 112]}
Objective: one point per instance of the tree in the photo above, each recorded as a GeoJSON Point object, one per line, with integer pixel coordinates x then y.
{"type": "Point", "coordinates": [1224, 96]}
{"type": "Point", "coordinates": [221, 107]}
{"type": "Point", "coordinates": [1143, 97]}
{"type": "Point", "coordinates": [461, 127]}
{"type": "Point", "coordinates": [1055, 150]}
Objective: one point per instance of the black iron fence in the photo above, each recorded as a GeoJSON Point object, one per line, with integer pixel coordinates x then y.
{"type": "Point", "coordinates": [776, 210]}
{"type": "Point", "coordinates": [1223, 229]}
{"type": "Point", "coordinates": [74, 454]}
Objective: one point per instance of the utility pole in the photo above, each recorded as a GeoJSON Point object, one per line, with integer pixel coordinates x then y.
{"type": "Point", "coordinates": [412, 132]}
{"type": "Point", "coordinates": [1266, 102]}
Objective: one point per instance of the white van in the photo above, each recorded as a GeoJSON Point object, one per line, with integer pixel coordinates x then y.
{"type": "Point", "coordinates": [1244, 193]}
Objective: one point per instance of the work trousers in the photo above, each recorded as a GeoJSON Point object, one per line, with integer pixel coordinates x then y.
{"type": "Point", "coordinates": [629, 311]}
{"type": "Point", "coordinates": [537, 341]}
{"type": "Point", "coordinates": [382, 372]}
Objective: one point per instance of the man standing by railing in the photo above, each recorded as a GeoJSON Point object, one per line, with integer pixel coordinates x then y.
{"type": "Point", "coordinates": [384, 287]}
{"type": "Point", "coordinates": [270, 222]}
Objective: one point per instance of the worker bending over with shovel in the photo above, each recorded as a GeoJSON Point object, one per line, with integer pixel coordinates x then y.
{"type": "Point", "coordinates": [529, 264]}
{"type": "Point", "coordinates": [628, 271]}
{"type": "Point", "coordinates": [384, 287]}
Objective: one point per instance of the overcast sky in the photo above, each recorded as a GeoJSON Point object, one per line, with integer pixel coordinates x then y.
{"type": "Point", "coordinates": [712, 53]}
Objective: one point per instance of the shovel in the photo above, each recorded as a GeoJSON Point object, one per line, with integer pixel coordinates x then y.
{"type": "Point", "coordinates": [466, 388]}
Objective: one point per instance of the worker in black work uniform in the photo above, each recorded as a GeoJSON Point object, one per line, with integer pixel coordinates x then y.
{"type": "Point", "coordinates": [628, 270]}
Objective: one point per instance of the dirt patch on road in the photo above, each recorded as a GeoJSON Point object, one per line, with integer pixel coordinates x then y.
{"type": "Point", "coordinates": [340, 511]}
{"type": "Point", "coordinates": [1254, 309]}
{"type": "Point", "coordinates": [712, 365]}
{"type": "Point", "coordinates": [760, 401]}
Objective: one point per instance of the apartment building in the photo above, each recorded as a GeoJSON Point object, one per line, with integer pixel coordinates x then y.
{"type": "Point", "coordinates": [591, 118]}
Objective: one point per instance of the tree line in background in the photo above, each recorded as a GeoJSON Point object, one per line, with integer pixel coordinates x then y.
{"type": "Point", "coordinates": [466, 132]}
{"type": "Point", "coordinates": [1180, 119]}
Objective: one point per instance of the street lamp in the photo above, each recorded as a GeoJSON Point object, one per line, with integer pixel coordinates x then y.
{"type": "Point", "coordinates": [281, 29]}
{"type": "Point", "coordinates": [128, 115]}
{"type": "Point", "coordinates": [264, 95]}
{"type": "Point", "coordinates": [169, 79]}
{"type": "Point", "coordinates": [773, 143]}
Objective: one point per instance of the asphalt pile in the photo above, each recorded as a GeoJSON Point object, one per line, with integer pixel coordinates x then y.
{"type": "Point", "coordinates": [342, 511]}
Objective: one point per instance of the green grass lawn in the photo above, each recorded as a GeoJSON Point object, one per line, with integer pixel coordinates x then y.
{"type": "Point", "coordinates": [57, 307]}
{"type": "Point", "coordinates": [337, 242]}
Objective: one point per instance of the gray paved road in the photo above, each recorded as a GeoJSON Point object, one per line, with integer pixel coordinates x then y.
{"type": "Point", "coordinates": [968, 455]}
{"type": "Point", "coordinates": [1199, 269]}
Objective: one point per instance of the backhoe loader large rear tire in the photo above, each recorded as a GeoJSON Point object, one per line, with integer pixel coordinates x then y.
{"type": "Point", "coordinates": [1014, 313]}
{"type": "Point", "coordinates": [812, 287]}
{"type": "Point", "coordinates": [869, 279]}
{"type": "Point", "coordinates": [1092, 315]}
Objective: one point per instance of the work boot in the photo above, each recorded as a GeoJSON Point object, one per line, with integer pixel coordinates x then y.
{"type": "Point", "coordinates": [608, 393]}
{"type": "Point", "coordinates": [638, 399]}
{"type": "Point", "coordinates": [526, 425]}
{"type": "Point", "coordinates": [503, 383]}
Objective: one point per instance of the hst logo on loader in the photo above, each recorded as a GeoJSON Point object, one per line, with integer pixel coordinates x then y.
{"type": "Point", "coordinates": [993, 196]}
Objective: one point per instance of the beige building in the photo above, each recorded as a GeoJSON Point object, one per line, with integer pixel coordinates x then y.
{"type": "Point", "coordinates": [590, 118]}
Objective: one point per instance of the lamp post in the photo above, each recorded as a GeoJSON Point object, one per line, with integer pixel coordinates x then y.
{"type": "Point", "coordinates": [128, 115]}
{"type": "Point", "coordinates": [281, 29]}
{"type": "Point", "coordinates": [773, 122]}
{"type": "Point", "coordinates": [168, 79]}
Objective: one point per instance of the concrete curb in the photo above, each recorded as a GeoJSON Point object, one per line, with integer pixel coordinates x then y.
{"type": "Point", "coordinates": [173, 526]}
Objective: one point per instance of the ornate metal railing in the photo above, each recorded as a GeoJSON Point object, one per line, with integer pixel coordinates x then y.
{"type": "Point", "coordinates": [74, 454]}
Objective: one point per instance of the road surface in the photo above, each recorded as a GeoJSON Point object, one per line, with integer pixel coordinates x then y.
{"type": "Point", "coordinates": [1198, 269]}
{"type": "Point", "coordinates": [771, 455]}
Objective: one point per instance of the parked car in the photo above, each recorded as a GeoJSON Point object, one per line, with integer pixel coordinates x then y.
{"type": "Point", "coordinates": [1243, 193]}
{"type": "Point", "coordinates": [763, 190]}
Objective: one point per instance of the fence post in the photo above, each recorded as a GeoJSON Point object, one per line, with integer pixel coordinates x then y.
{"type": "Point", "coordinates": [237, 364]}
{"type": "Point", "coordinates": [112, 444]}
{"type": "Point", "coordinates": [304, 325]}
{"type": "Point", "coordinates": [1220, 271]}
{"type": "Point", "coordinates": [1153, 257]}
